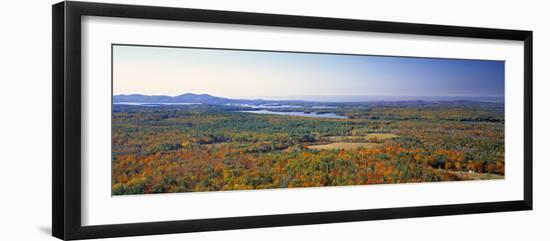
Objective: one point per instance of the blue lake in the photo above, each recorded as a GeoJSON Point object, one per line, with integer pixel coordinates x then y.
{"type": "Point", "coordinates": [297, 113]}
{"type": "Point", "coordinates": [277, 106]}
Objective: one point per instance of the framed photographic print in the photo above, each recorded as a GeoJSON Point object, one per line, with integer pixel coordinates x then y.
{"type": "Point", "coordinates": [170, 120]}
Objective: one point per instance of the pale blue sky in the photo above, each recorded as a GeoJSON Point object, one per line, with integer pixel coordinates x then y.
{"type": "Point", "coordinates": [259, 74]}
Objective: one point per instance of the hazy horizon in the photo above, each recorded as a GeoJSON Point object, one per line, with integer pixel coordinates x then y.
{"type": "Point", "coordinates": [356, 98]}
{"type": "Point", "coordinates": [242, 74]}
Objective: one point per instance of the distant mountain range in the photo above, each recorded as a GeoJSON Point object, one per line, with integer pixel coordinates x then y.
{"type": "Point", "coordinates": [184, 98]}
{"type": "Point", "coordinates": [214, 100]}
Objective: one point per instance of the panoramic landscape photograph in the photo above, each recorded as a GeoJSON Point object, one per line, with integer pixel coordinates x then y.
{"type": "Point", "coordinates": [201, 119]}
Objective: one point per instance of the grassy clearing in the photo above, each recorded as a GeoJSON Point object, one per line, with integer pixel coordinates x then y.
{"type": "Point", "coordinates": [474, 175]}
{"type": "Point", "coordinates": [366, 138]}
{"type": "Point", "coordinates": [381, 136]}
{"type": "Point", "coordinates": [346, 146]}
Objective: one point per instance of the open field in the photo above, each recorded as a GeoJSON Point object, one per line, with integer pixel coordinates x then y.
{"type": "Point", "coordinates": [364, 138]}
{"type": "Point", "coordinates": [346, 146]}
{"type": "Point", "coordinates": [193, 148]}
{"type": "Point", "coordinates": [462, 175]}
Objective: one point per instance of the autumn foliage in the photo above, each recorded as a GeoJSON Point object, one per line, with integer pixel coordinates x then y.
{"type": "Point", "coordinates": [205, 148]}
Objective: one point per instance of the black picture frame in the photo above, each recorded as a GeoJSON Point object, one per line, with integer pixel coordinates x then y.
{"type": "Point", "coordinates": [66, 76]}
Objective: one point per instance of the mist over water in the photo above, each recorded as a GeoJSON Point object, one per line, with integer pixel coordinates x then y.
{"type": "Point", "coordinates": [296, 113]}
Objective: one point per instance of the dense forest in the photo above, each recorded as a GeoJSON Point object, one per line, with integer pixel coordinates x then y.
{"type": "Point", "coordinates": [193, 148]}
